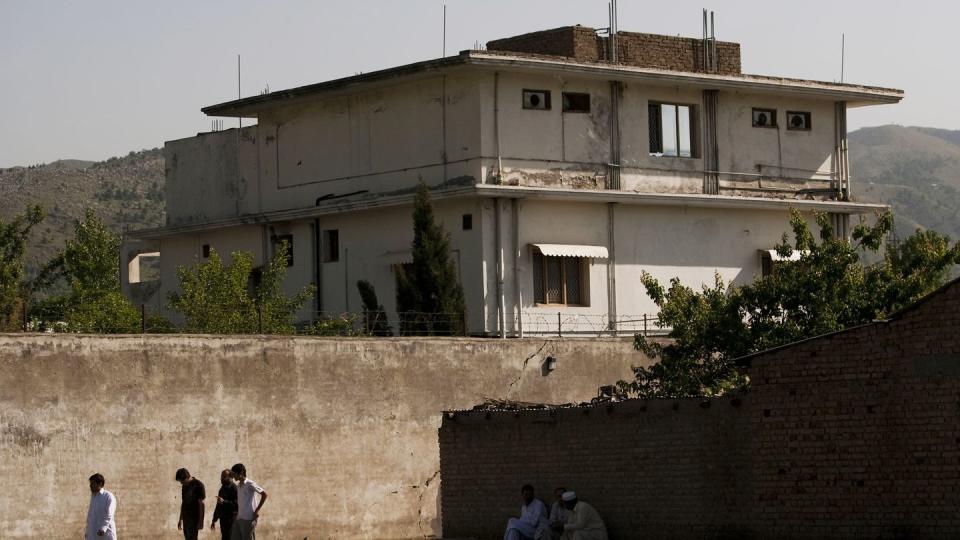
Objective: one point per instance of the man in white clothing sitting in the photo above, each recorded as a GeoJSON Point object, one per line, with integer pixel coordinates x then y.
{"type": "Point", "coordinates": [583, 522]}
{"type": "Point", "coordinates": [533, 515]}
{"type": "Point", "coordinates": [103, 505]}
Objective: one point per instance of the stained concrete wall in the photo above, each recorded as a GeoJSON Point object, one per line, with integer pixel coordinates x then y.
{"type": "Point", "coordinates": [341, 433]}
{"type": "Point", "coordinates": [565, 149]}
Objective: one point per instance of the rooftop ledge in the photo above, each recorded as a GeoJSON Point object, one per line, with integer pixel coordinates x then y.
{"type": "Point", "coordinates": [856, 95]}
{"type": "Point", "coordinates": [363, 202]}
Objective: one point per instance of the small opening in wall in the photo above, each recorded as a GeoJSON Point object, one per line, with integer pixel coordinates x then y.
{"type": "Point", "coordinates": [536, 99]}
{"type": "Point", "coordinates": [798, 121]}
{"type": "Point", "coordinates": [331, 245]}
{"type": "Point", "coordinates": [205, 250]}
{"type": "Point", "coordinates": [468, 222]}
{"type": "Point", "coordinates": [576, 102]}
{"type": "Point", "coordinates": [764, 118]}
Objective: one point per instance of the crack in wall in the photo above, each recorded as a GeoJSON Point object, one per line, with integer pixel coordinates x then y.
{"type": "Point", "coordinates": [423, 492]}
{"type": "Point", "coordinates": [524, 368]}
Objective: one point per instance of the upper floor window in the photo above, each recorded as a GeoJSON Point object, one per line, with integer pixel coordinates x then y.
{"type": "Point", "coordinates": [559, 280]}
{"type": "Point", "coordinates": [671, 129]}
{"type": "Point", "coordinates": [536, 99]}
{"type": "Point", "coordinates": [798, 121]}
{"type": "Point", "coordinates": [330, 245]}
{"type": "Point", "coordinates": [764, 117]}
{"type": "Point", "coordinates": [575, 102]}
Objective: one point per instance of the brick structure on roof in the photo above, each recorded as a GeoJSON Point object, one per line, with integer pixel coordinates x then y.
{"type": "Point", "coordinates": [850, 435]}
{"type": "Point", "coordinates": [582, 44]}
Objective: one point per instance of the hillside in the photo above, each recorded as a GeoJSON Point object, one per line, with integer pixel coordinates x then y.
{"type": "Point", "coordinates": [126, 192]}
{"type": "Point", "coordinates": [913, 169]}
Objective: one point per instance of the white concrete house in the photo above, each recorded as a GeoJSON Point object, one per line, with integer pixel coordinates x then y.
{"type": "Point", "coordinates": [559, 175]}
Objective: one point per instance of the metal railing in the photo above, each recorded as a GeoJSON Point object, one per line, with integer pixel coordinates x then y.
{"type": "Point", "coordinates": [543, 323]}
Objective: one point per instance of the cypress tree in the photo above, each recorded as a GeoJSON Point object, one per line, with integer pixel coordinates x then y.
{"type": "Point", "coordinates": [429, 294]}
{"type": "Point", "coordinates": [375, 318]}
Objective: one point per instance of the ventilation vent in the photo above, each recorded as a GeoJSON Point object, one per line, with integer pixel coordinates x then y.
{"type": "Point", "coordinates": [536, 99]}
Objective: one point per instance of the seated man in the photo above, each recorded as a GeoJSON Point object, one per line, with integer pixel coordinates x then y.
{"type": "Point", "coordinates": [533, 514]}
{"type": "Point", "coordinates": [558, 516]}
{"type": "Point", "coordinates": [584, 522]}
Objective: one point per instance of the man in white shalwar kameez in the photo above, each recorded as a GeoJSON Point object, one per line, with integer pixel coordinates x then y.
{"type": "Point", "coordinates": [583, 522]}
{"type": "Point", "coordinates": [533, 518]}
{"type": "Point", "coordinates": [103, 505]}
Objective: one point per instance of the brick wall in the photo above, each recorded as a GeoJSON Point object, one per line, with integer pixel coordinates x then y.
{"type": "Point", "coordinates": [641, 464]}
{"type": "Point", "coordinates": [858, 434]}
{"type": "Point", "coordinates": [634, 49]}
{"type": "Point", "coordinates": [851, 435]}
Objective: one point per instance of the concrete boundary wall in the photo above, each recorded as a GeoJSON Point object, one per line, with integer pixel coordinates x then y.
{"type": "Point", "coordinates": [342, 433]}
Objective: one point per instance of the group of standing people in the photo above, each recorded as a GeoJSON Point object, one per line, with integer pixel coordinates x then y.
{"type": "Point", "coordinates": [568, 519]}
{"type": "Point", "coordinates": [239, 501]}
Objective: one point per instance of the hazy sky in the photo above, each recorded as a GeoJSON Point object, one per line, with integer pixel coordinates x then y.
{"type": "Point", "coordinates": [93, 79]}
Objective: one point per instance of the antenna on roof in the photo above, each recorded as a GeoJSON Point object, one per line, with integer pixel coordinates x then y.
{"type": "Point", "coordinates": [444, 31]}
{"type": "Point", "coordinates": [613, 29]}
{"type": "Point", "coordinates": [843, 54]}
{"type": "Point", "coordinates": [709, 61]}
{"type": "Point", "coordinates": [239, 118]}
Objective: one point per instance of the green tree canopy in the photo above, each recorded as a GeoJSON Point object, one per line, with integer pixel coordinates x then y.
{"type": "Point", "coordinates": [89, 265]}
{"type": "Point", "coordinates": [235, 298]}
{"type": "Point", "coordinates": [13, 246]}
{"type": "Point", "coordinates": [829, 288]}
{"type": "Point", "coordinates": [429, 294]}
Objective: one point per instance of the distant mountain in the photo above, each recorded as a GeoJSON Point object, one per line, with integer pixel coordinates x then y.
{"type": "Point", "coordinates": [915, 170]}
{"type": "Point", "coordinates": [126, 192]}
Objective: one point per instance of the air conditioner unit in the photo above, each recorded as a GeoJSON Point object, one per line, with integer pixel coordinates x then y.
{"type": "Point", "coordinates": [536, 99]}
{"type": "Point", "coordinates": [798, 120]}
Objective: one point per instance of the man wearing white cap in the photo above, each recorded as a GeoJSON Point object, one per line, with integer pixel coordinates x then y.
{"type": "Point", "coordinates": [583, 522]}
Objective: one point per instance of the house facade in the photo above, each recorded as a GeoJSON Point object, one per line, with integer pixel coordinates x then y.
{"type": "Point", "coordinates": [560, 175]}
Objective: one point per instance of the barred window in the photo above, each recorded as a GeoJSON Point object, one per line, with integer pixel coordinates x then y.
{"type": "Point", "coordinates": [558, 280]}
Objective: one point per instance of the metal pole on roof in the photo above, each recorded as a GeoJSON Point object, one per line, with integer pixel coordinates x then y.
{"type": "Point", "coordinates": [239, 118]}
{"type": "Point", "coordinates": [843, 54]}
{"type": "Point", "coordinates": [444, 31]}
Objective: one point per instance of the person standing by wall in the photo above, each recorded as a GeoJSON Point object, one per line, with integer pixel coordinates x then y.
{"type": "Point", "coordinates": [226, 510]}
{"type": "Point", "coordinates": [191, 505]}
{"type": "Point", "coordinates": [100, 514]}
{"type": "Point", "coordinates": [248, 511]}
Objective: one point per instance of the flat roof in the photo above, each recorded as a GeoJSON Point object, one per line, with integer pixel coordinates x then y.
{"type": "Point", "coordinates": [854, 94]}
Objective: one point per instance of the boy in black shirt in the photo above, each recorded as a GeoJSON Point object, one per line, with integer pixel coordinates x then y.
{"type": "Point", "coordinates": [191, 507]}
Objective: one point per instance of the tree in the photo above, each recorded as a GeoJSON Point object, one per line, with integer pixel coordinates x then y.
{"type": "Point", "coordinates": [429, 294]}
{"type": "Point", "coordinates": [89, 266]}
{"type": "Point", "coordinates": [375, 317]}
{"type": "Point", "coordinates": [13, 245]}
{"type": "Point", "coordinates": [236, 298]}
{"type": "Point", "coordinates": [829, 288]}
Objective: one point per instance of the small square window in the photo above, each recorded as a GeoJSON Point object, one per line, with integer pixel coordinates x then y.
{"type": "Point", "coordinates": [798, 121]}
{"type": "Point", "coordinates": [468, 222]}
{"type": "Point", "coordinates": [331, 245]}
{"type": "Point", "coordinates": [536, 99]}
{"type": "Point", "coordinates": [205, 250]}
{"type": "Point", "coordinates": [765, 118]}
{"type": "Point", "coordinates": [574, 102]}
{"type": "Point", "coordinates": [278, 240]}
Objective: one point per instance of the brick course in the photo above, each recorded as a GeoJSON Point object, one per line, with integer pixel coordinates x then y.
{"type": "Point", "coordinates": [850, 435]}
{"type": "Point", "coordinates": [581, 44]}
